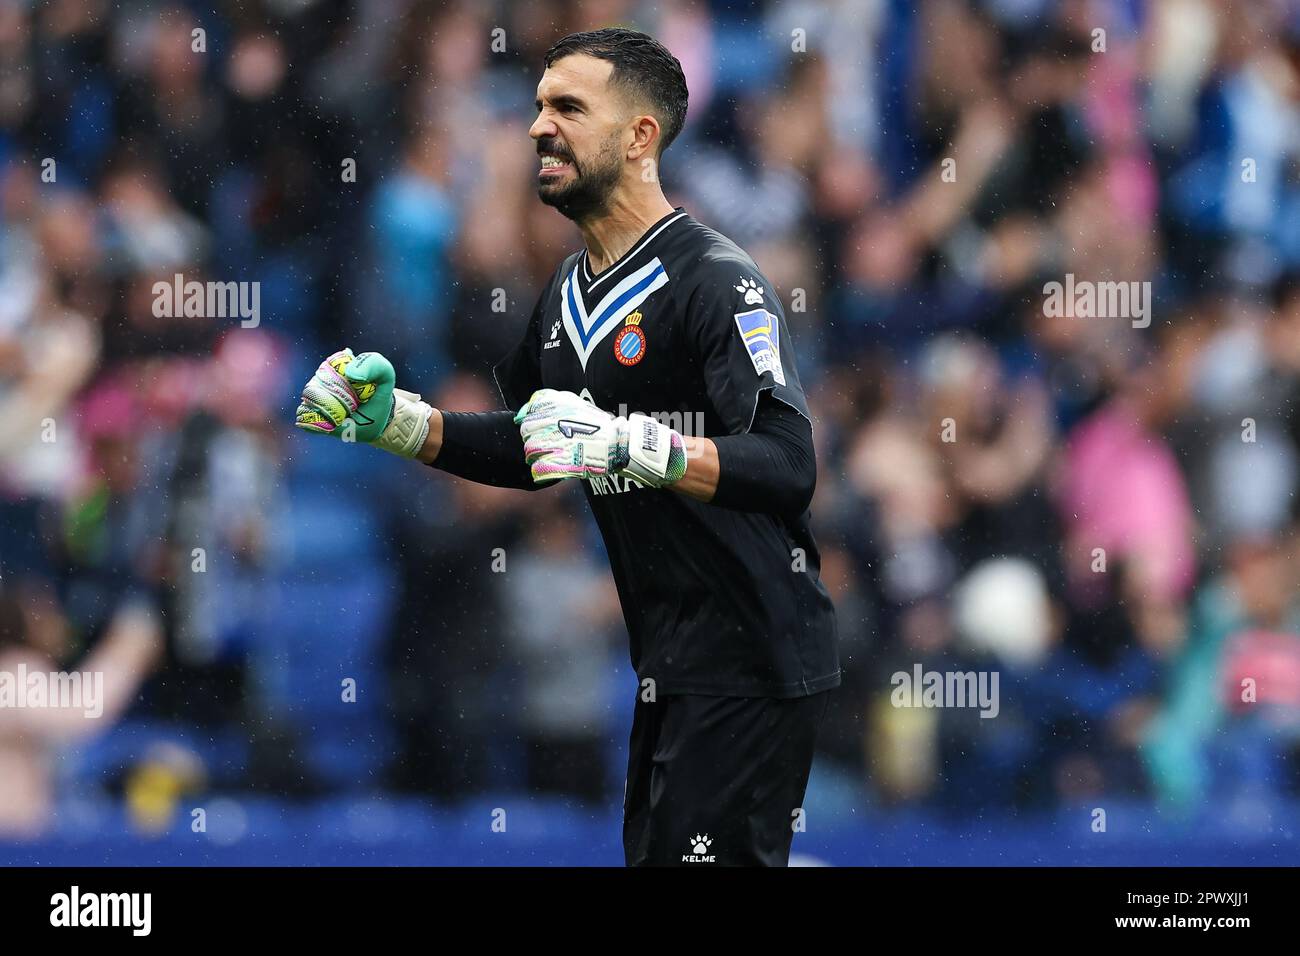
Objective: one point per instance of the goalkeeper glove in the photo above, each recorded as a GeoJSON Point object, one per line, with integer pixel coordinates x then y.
{"type": "Point", "coordinates": [354, 397]}
{"type": "Point", "coordinates": [567, 437]}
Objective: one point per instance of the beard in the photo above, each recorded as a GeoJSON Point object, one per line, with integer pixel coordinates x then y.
{"type": "Point", "coordinates": [586, 194]}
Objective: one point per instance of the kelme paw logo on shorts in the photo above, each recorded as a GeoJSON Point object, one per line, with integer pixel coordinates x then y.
{"type": "Point", "coordinates": [699, 850]}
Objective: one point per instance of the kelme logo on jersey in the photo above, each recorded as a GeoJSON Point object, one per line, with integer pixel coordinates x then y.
{"type": "Point", "coordinates": [753, 292]}
{"type": "Point", "coordinates": [629, 344]}
{"type": "Point", "coordinates": [554, 341]}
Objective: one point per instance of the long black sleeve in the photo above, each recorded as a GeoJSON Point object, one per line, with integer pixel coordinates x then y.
{"type": "Point", "coordinates": [484, 447]}
{"type": "Point", "coordinates": [772, 468]}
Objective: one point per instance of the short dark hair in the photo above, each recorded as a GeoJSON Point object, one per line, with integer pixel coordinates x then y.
{"type": "Point", "coordinates": [643, 67]}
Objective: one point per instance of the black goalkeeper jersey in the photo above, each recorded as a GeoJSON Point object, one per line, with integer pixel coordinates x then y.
{"type": "Point", "coordinates": [685, 328]}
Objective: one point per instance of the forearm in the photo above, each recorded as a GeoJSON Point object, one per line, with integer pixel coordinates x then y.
{"type": "Point", "coordinates": [480, 446]}
{"type": "Point", "coordinates": [701, 479]}
{"type": "Point", "coordinates": [770, 469]}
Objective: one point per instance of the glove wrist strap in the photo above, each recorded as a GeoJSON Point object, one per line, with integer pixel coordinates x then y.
{"type": "Point", "coordinates": [652, 452]}
{"type": "Point", "coordinates": [408, 427]}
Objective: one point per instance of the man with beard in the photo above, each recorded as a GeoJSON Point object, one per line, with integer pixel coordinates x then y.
{"type": "Point", "coordinates": [706, 523]}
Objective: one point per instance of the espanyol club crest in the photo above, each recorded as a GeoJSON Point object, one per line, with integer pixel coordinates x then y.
{"type": "Point", "coordinates": [629, 344]}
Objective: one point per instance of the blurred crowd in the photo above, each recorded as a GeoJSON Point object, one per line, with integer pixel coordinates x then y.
{"type": "Point", "coordinates": [1103, 513]}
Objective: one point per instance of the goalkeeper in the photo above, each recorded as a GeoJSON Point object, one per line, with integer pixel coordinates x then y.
{"type": "Point", "coordinates": [658, 320]}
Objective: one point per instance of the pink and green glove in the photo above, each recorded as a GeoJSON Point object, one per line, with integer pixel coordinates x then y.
{"type": "Point", "coordinates": [567, 437]}
{"type": "Point", "coordinates": [355, 398]}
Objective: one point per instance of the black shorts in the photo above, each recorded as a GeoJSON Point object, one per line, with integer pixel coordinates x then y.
{"type": "Point", "coordinates": [717, 780]}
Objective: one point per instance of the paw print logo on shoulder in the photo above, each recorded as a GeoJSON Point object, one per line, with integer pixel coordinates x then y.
{"type": "Point", "coordinates": [752, 291]}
